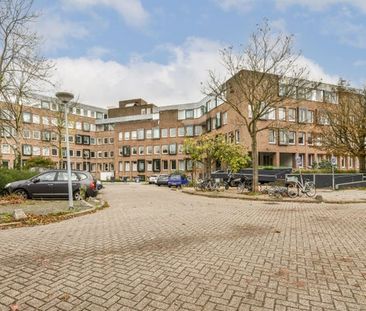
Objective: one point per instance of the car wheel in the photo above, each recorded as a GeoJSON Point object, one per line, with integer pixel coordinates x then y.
{"type": "Point", "coordinates": [76, 195]}
{"type": "Point", "coordinates": [22, 193]}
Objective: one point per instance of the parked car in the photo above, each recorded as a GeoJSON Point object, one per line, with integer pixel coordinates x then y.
{"type": "Point", "coordinates": [52, 184]}
{"type": "Point", "coordinates": [153, 179]}
{"type": "Point", "coordinates": [176, 180]}
{"type": "Point", "coordinates": [162, 180]}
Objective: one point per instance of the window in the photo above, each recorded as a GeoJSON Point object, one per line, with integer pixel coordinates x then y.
{"type": "Point", "coordinates": [250, 111]}
{"type": "Point", "coordinates": [140, 134]}
{"type": "Point", "coordinates": [237, 137]}
{"type": "Point", "coordinates": [120, 136]}
{"type": "Point", "coordinates": [164, 149]}
{"type": "Point", "coordinates": [93, 127]}
{"type": "Point", "coordinates": [86, 140]}
{"type": "Point", "coordinates": [272, 136]}
{"type": "Point", "coordinates": [218, 120]}
{"type": "Point", "coordinates": [141, 150]}
{"type": "Point", "coordinates": [27, 117]}
{"type": "Point", "coordinates": [47, 177]}
{"type": "Point", "coordinates": [306, 116]}
{"type": "Point", "coordinates": [330, 97]}
{"type": "Point", "coordinates": [78, 139]}
{"type": "Point", "coordinates": [310, 138]}
{"type": "Point", "coordinates": [292, 115]}
{"type": "Point", "coordinates": [26, 134]}
{"type": "Point", "coordinates": [149, 150]}
{"type": "Point", "coordinates": [127, 135]}
{"type": "Point", "coordinates": [134, 166]}
{"type": "Point", "coordinates": [141, 166]}
{"type": "Point", "coordinates": [5, 149]}
{"type": "Point", "coordinates": [282, 114]}
{"type": "Point", "coordinates": [156, 149]}
{"type": "Point", "coordinates": [180, 148]}
{"type": "Point", "coordinates": [149, 166]}
{"type": "Point", "coordinates": [45, 121]}
{"type": "Point", "coordinates": [172, 132]}
{"type": "Point", "coordinates": [111, 140]}
{"type": "Point", "coordinates": [92, 140]}
{"type": "Point", "coordinates": [164, 133]}
{"type": "Point", "coordinates": [148, 134]}
{"type": "Point", "coordinates": [283, 137]}
{"type": "Point", "coordinates": [156, 133]}
{"type": "Point", "coordinates": [181, 131]}
{"type": "Point", "coordinates": [181, 165]}
{"type": "Point", "coordinates": [36, 119]}
{"type": "Point", "coordinates": [27, 150]}
{"type": "Point", "coordinates": [189, 130]}
{"type": "Point", "coordinates": [45, 105]}
{"type": "Point", "coordinates": [54, 136]}
{"type": "Point", "coordinates": [86, 126]}
{"type": "Point", "coordinates": [173, 165]}
{"type": "Point", "coordinates": [78, 125]}
{"type": "Point", "coordinates": [197, 130]}
{"type": "Point", "coordinates": [224, 118]}
{"type": "Point", "coordinates": [173, 149]}
{"type": "Point", "coordinates": [105, 140]}
{"type": "Point", "coordinates": [36, 151]}
{"type": "Point", "coordinates": [301, 138]}
{"type": "Point", "coordinates": [156, 165]}
{"type": "Point", "coordinates": [323, 118]}
{"type": "Point", "coordinates": [165, 165]}
{"type": "Point", "coordinates": [46, 151]}
{"type": "Point", "coordinates": [78, 153]}
{"type": "Point", "coordinates": [189, 114]}
{"type": "Point", "coordinates": [127, 166]}
{"type": "Point", "coordinates": [54, 122]}
{"type": "Point", "coordinates": [213, 123]}
{"type": "Point", "coordinates": [134, 135]}
{"type": "Point", "coordinates": [291, 138]}
{"type": "Point", "coordinates": [134, 150]}
{"type": "Point", "coordinates": [46, 136]}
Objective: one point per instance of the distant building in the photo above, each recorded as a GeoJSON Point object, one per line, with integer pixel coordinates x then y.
{"type": "Point", "coordinates": [141, 139]}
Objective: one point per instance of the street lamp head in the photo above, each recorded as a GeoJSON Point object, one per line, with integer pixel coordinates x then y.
{"type": "Point", "coordinates": [64, 97]}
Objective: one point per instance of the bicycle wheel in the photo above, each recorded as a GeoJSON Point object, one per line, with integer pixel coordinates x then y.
{"type": "Point", "coordinates": [241, 187]}
{"type": "Point", "coordinates": [310, 189]}
{"type": "Point", "coordinates": [292, 190]}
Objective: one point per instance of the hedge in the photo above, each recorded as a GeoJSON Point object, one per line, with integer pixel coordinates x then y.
{"type": "Point", "coordinates": [10, 175]}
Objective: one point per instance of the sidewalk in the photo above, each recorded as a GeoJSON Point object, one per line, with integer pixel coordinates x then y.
{"type": "Point", "coordinates": [328, 196]}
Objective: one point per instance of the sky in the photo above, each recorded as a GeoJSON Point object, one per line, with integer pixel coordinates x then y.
{"type": "Point", "coordinates": [161, 50]}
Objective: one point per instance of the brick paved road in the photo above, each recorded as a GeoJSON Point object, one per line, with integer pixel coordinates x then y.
{"type": "Point", "coordinates": [161, 249]}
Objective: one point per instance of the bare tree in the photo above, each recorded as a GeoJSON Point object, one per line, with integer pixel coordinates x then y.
{"type": "Point", "coordinates": [59, 128]}
{"type": "Point", "coordinates": [346, 133]}
{"type": "Point", "coordinates": [23, 71]}
{"type": "Point", "coordinates": [251, 84]}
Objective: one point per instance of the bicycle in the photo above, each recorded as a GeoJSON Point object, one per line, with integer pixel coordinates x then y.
{"type": "Point", "coordinates": [297, 187]}
{"type": "Point", "coordinates": [244, 184]}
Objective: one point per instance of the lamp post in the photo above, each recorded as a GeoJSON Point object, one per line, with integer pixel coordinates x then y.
{"type": "Point", "coordinates": [65, 98]}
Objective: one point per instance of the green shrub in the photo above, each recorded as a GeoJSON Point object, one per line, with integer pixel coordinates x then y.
{"type": "Point", "coordinates": [10, 175]}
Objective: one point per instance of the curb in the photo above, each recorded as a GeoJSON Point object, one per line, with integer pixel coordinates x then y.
{"type": "Point", "coordinates": [19, 224]}
{"type": "Point", "coordinates": [223, 196]}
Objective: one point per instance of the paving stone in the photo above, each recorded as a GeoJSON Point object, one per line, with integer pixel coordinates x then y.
{"type": "Point", "coordinates": [156, 249]}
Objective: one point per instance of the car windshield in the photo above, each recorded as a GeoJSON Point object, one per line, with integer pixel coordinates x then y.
{"type": "Point", "coordinates": [175, 177]}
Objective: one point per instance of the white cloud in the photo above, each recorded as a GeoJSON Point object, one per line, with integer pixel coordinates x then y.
{"type": "Point", "coordinates": [56, 31]}
{"type": "Point", "coordinates": [132, 11]}
{"type": "Point", "coordinates": [104, 83]}
{"type": "Point", "coordinates": [322, 4]}
{"type": "Point", "coordinates": [242, 5]}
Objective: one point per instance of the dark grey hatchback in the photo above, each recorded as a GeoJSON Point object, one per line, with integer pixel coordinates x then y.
{"type": "Point", "coordinates": [52, 184]}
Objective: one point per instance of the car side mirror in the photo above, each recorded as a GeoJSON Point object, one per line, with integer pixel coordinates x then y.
{"type": "Point", "coordinates": [36, 180]}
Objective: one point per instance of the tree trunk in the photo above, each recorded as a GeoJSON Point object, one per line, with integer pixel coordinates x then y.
{"type": "Point", "coordinates": [362, 163]}
{"type": "Point", "coordinates": [254, 162]}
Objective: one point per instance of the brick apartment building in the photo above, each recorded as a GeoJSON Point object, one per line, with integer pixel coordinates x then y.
{"type": "Point", "coordinates": [141, 139]}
